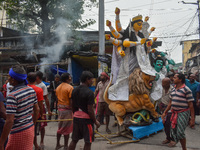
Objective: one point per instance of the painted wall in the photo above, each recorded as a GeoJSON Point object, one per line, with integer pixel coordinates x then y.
{"type": "Point", "coordinates": [185, 50]}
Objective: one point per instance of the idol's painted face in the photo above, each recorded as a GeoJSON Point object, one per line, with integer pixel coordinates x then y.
{"type": "Point", "coordinates": [137, 26]}
{"type": "Point", "coordinates": [159, 65]}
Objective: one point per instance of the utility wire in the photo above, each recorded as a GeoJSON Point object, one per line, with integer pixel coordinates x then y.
{"type": "Point", "coordinates": [177, 35]}
{"type": "Point", "coordinates": [174, 21]}
{"type": "Point", "coordinates": [173, 48]}
{"type": "Point", "coordinates": [167, 13]}
{"type": "Point", "coordinates": [144, 5]}
{"type": "Point", "coordinates": [175, 29]}
{"type": "Point", "coordinates": [158, 27]}
{"type": "Point", "coordinates": [179, 27]}
{"type": "Point", "coordinates": [165, 43]}
{"type": "Point", "coordinates": [163, 13]}
{"type": "Point", "coordinates": [123, 24]}
{"type": "Point", "coordinates": [159, 10]}
{"type": "Point", "coordinates": [151, 8]}
{"type": "Point", "coordinates": [111, 1]}
{"type": "Point", "coordinates": [90, 29]}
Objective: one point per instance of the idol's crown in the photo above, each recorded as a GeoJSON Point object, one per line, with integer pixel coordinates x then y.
{"type": "Point", "coordinates": [139, 17]}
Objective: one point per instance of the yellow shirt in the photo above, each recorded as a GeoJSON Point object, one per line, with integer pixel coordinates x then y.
{"type": "Point", "coordinates": [63, 93]}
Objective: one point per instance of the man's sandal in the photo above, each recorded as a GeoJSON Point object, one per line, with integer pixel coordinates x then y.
{"type": "Point", "coordinates": [172, 144]}
{"type": "Point", "coordinates": [165, 141]}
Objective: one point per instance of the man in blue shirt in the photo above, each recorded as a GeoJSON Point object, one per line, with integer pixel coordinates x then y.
{"type": "Point", "coordinates": [193, 86]}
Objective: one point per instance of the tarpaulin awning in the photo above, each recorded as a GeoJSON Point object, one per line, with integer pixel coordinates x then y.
{"type": "Point", "coordinates": [60, 71]}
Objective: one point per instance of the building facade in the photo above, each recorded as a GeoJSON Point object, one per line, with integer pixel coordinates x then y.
{"type": "Point", "coordinates": [2, 18]}
{"type": "Point", "coordinates": [190, 49]}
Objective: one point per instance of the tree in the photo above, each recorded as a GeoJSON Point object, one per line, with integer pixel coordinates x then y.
{"type": "Point", "coordinates": [43, 14]}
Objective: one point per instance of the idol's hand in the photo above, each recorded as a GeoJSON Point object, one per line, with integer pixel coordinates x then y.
{"type": "Point", "coordinates": [171, 61]}
{"type": "Point", "coordinates": [117, 11]}
{"type": "Point", "coordinates": [108, 23]}
{"type": "Point", "coordinates": [143, 41]}
{"type": "Point", "coordinates": [107, 36]}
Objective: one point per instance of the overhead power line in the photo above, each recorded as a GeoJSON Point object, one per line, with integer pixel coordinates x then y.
{"type": "Point", "coordinates": [168, 9]}
{"type": "Point", "coordinates": [111, 1]}
{"type": "Point", "coordinates": [145, 5]}
{"type": "Point", "coordinates": [173, 48]}
{"type": "Point", "coordinates": [179, 27]}
{"type": "Point", "coordinates": [177, 35]}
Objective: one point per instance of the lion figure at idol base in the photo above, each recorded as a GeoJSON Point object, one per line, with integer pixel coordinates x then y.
{"type": "Point", "coordinates": [140, 85]}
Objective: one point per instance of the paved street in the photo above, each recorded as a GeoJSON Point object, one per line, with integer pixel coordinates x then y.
{"type": "Point", "coordinates": [149, 143]}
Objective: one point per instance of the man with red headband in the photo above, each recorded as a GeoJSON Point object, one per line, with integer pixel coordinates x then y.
{"type": "Point", "coordinates": [102, 105]}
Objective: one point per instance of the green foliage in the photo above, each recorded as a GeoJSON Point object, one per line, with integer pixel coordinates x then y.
{"type": "Point", "coordinates": [26, 14]}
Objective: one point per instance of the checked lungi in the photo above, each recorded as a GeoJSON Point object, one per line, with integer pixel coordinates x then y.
{"type": "Point", "coordinates": [178, 131]}
{"type": "Point", "coordinates": [21, 140]}
{"type": "Point", "coordinates": [65, 127]}
{"type": "Point", "coordinates": [43, 124]}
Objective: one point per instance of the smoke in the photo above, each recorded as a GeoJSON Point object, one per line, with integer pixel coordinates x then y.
{"type": "Point", "coordinates": [71, 11]}
{"type": "Point", "coordinates": [56, 50]}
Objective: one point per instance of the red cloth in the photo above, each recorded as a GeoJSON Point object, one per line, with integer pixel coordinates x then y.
{"type": "Point", "coordinates": [22, 140]}
{"type": "Point", "coordinates": [81, 114]}
{"type": "Point", "coordinates": [180, 87]}
{"type": "Point", "coordinates": [4, 90]}
{"type": "Point", "coordinates": [38, 91]}
{"type": "Point", "coordinates": [39, 94]}
{"type": "Point", "coordinates": [65, 127]}
{"type": "Point", "coordinates": [90, 129]}
{"type": "Point", "coordinates": [43, 124]}
{"type": "Point", "coordinates": [174, 117]}
{"type": "Point", "coordinates": [97, 103]}
{"type": "Point", "coordinates": [106, 75]}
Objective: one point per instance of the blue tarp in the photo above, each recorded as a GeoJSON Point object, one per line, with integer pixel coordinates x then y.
{"type": "Point", "coordinates": [142, 131]}
{"type": "Point", "coordinates": [92, 88]}
{"type": "Point", "coordinates": [46, 83]}
{"type": "Point", "coordinates": [60, 71]}
{"type": "Point", "coordinates": [77, 69]}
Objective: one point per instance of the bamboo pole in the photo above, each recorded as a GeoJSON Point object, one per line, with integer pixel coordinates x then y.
{"type": "Point", "coordinates": [54, 120]}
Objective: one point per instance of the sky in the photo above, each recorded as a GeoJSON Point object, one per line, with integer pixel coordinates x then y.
{"type": "Point", "coordinates": [173, 20]}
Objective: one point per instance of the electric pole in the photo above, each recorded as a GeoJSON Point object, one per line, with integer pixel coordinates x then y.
{"type": "Point", "coordinates": [101, 64]}
{"type": "Point", "coordinates": [101, 28]}
{"type": "Point", "coordinates": [198, 9]}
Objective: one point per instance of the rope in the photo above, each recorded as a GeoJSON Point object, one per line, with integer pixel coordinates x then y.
{"type": "Point", "coordinates": [49, 115]}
